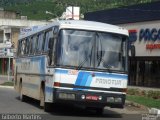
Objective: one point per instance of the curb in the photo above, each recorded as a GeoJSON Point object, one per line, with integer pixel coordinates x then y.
{"type": "Point", "coordinates": [131, 103]}
{"type": "Point", "coordinates": [154, 111]}
{"type": "Point", "coordinates": [10, 87]}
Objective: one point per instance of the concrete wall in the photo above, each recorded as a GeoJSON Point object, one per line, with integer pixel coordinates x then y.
{"type": "Point", "coordinates": [21, 23]}
{"type": "Point", "coordinates": [14, 37]}
{"type": "Point", "coordinates": [8, 14]}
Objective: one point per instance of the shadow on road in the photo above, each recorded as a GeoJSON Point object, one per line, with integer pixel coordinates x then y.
{"type": "Point", "coordinates": [72, 111]}
{"type": "Point", "coordinates": [65, 110]}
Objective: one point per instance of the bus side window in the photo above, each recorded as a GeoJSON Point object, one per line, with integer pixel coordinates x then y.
{"type": "Point", "coordinates": [26, 51]}
{"type": "Point", "coordinates": [33, 44]}
{"type": "Point", "coordinates": [43, 42]}
{"type": "Point", "coordinates": [50, 48]}
{"type": "Point", "coordinates": [23, 44]}
{"type": "Point", "coordinates": [46, 41]}
{"type": "Point", "coordinates": [40, 42]}
{"type": "Point", "coordinates": [36, 44]}
{"type": "Point", "coordinates": [19, 48]}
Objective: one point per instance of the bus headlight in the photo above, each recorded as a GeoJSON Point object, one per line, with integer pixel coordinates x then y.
{"type": "Point", "coordinates": [100, 98]}
{"type": "Point", "coordinates": [83, 97]}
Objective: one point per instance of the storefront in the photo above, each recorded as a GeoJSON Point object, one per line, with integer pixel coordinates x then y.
{"type": "Point", "coordinates": [6, 60]}
{"type": "Point", "coordinates": [143, 23]}
{"type": "Point", "coordinates": [144, 63]}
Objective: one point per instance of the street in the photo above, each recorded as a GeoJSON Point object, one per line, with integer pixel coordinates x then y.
{"type": "Point", "coordinates": [10, 104]}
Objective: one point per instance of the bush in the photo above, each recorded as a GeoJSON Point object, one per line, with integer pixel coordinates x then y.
{"type": "Point", "coordinates": [133, 92]}
{"type": "Point", "coordinates": [145, 93]}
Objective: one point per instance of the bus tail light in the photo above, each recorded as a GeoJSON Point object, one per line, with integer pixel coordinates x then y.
{"type": "Point", "coordinates": [56, 84]}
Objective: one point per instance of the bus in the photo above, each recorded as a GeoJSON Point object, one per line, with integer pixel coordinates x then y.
{"type": "Point", "coordinates": [73, 62]}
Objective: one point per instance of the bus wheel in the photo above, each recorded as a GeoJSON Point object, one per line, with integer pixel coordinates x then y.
{"type": "Point", "coordinates": [47, 107]}
{"type": "Point", "coordinates": [42, 99]}
{"type": "Point", "coordinates": [99, 111]}
{"type": "Point", "coordinates": [22, 97]}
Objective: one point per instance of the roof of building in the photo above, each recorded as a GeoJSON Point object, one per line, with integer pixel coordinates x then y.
{"type": "Point", "coordinates": [129, 14]}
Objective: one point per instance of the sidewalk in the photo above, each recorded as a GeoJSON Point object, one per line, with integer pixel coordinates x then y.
{"type": "Point", "coordinates": [143, 88]}
{"type": "Point", "coordinates": [4, 78]}
{"type": "Point", "coordinates": [130, 108]}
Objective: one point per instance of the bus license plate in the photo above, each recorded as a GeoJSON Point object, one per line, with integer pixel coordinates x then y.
{"type": "Point", "coordinates": [90, 97]}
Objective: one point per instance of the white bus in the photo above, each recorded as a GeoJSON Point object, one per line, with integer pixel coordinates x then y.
{"type": "Point", "coordinates": [73, 62]}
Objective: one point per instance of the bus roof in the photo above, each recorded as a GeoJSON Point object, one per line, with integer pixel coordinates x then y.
{"type": "Point", "coordinates": [82, 25]}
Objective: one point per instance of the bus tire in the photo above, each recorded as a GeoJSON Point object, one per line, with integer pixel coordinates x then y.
{"type": "Point", "coordinates": [47, 107]}
{"type": "Point", "coordinates": [42, 97]}
{"type": "Point", "coordinates": [99, 111]}
{"type": "Point", "coordinates": [22, 97]}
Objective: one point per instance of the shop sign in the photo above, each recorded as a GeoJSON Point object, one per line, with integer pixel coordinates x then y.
{"type": "Point", "coordinates": [147, 35]}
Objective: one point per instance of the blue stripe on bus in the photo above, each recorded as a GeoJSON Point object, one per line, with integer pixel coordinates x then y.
{"type": "Point", "coordinates": [89, 80]}
{"type": "Point", "coordinates": [84, 79]}
{"type": "Point", "coordinates": [79, 78]}
{"type": "Point", "coordinates": [81, 74]}
{"type": "Point", "coordinates": [61, 71]}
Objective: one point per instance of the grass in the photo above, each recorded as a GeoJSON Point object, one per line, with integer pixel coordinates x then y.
{"type": "Point", "coordinates": [149, 102]}
{"type": "Point", "coordinates": [7, 84]}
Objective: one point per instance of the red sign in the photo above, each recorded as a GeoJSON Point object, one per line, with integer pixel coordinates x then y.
{"type": "Point", "coordinates": [89, 97]}
{"type": "Point", "coordinates": [152, 46]}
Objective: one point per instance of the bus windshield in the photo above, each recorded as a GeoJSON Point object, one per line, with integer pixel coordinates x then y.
{"type": "Point", "coordinates": [89, 49]}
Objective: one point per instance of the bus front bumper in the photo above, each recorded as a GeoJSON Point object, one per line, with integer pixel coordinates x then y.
{"type": "Point", "coordinates": [89, 99]}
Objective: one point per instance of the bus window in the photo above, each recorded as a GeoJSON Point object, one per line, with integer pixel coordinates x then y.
{"type": "Point", "coordinates": [46, 41]}
{"type": "Point", "coordinates": [48, 36]}
{"type": "Point", "coordinates": [40, 42]}
{"type": "Point", "coordinates": [19, 48]}
{"type": "Point", "coordinates": [43, 42]}
{"type": "Point", "coordinates": [23, 44]}
{"type": "Point", "coordinates": [26, 51]}
{"type": "Point", "coordinates": [33, 44]}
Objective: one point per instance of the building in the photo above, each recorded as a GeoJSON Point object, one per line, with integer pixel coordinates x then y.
{"type": "Point", "coordinates": [10, 28]}
{"type": "Point", "coordinates": [143, 23]}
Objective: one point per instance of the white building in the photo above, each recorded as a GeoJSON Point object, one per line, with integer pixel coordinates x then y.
{"type": "Point", "coordinates": [143, 23]}
{"type": "Point", "coordinates": [9, 33]}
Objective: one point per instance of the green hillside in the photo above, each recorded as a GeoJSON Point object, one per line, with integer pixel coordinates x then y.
{"type": "Point", "coordinates": [35, 9]}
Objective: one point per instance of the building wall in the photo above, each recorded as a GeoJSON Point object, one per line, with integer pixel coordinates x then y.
{"type": "Point", "coordinates": [9, 32]}
{"type": "Point", "coordinates": [145, 65]}
{"type": "Point", "coordinates": [144, 36]}
{"type": "Point", "coordinates": [14, 37]}
{"type": "Point", "coordinates": [8, 14]}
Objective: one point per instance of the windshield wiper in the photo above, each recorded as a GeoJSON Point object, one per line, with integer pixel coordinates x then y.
{"type": "Point", "coordinates": [100, 54]}
{"type": "Point", "coordinates": [100, 59]}
{"type": "Point", "coordinates": [86, 59]}
{"type": "Point", "coordinates": [82, 63]}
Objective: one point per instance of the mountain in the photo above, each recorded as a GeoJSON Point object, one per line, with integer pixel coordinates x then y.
{"type": "Point", "coordinates": [36, 9]}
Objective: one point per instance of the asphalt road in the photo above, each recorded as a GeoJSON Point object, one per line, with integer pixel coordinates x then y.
{"type": "Point", "coordinates": [10, 104]}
